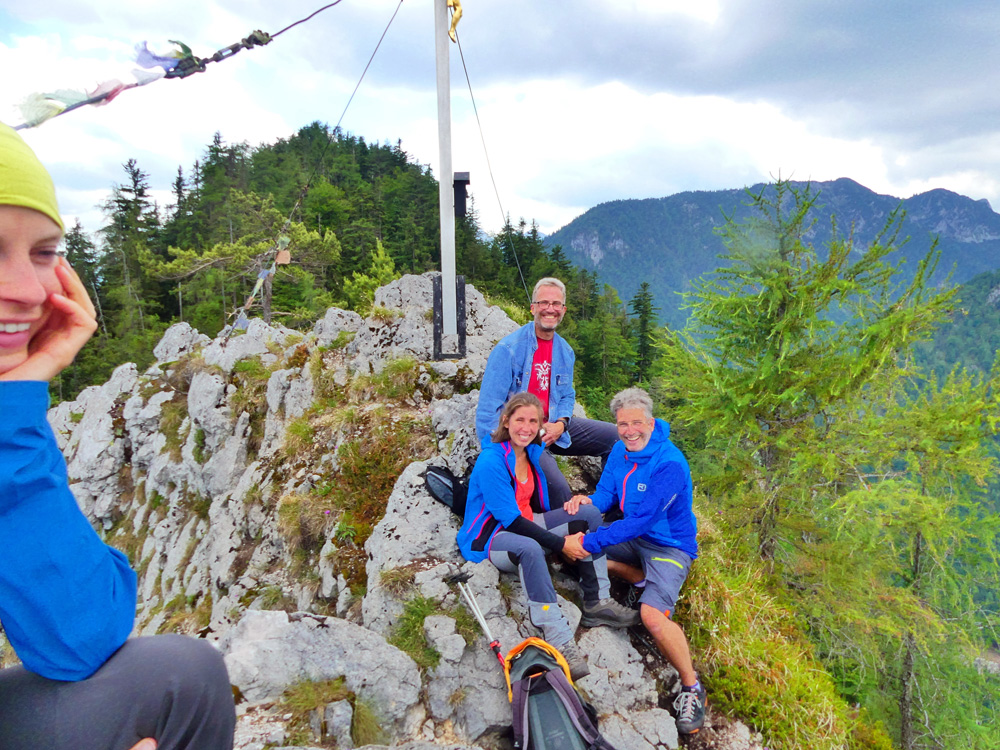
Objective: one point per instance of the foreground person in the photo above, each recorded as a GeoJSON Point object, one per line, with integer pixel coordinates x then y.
{"type": "Point", "coordinates": [67, 600]}
{"type": "Point", "coordinates": [654, 544]}
{"type": "Point", "coordinates": [508, 521]}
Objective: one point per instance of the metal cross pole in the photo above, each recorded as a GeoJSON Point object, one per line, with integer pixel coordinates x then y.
{"type": "Point", "coordinates": [446, 190]}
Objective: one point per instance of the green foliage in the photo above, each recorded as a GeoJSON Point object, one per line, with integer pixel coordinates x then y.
{"type": "Point", "coordinates": [360, 289]}
{"type": "Point", "coordinates": [408, 633]}
{"type": "Point", "coordinates": [307, 696]}
{"type": "Point", "coordinates": [860, 478]}
{"type": "Point", "coordinates": [173, 414]}
{"type": "Point", "coordinates": [756, 661]}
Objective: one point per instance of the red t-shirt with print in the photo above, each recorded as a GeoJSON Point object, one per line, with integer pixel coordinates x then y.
{"type": "Point", "coordinates": [541, 375]}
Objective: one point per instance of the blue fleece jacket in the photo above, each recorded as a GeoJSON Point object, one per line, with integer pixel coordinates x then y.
{"type": "Point", "coordinates": [652, 487]}
{"type": "Point", "coordinates": [508, 371]}
{"type": "Point", "coordinates": [491, 504]}
{"type": "Point", "coordinates": [67, 600]}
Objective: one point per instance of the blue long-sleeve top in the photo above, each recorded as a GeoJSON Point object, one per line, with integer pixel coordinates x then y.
{"type": "Point", "coordinates": [652, 487]}
{"type": "Point", "coordinates": [67, 600]}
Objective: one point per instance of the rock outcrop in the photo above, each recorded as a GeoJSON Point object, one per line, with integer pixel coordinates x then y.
{"type": "Point", "coordinates": [233, 471]}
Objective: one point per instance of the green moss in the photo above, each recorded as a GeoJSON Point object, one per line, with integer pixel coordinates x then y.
{"type": "Point", "coordinates": [198, 449]}
{"type": "Point", "coordinates": [299, 436]}
{"type": "Point", "coordinates": [197, 505]}
{"type": "Point", "coordinates": [173, 414]}
{"type": "Point", "coordinates": [76, 417]}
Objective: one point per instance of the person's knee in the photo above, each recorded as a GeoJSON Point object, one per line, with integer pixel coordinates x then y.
{"type": "Point", "coordinates": [590, 514]}
{"type": "Point", "coordinates": [656, 621]}
{"type": "Point", "coordinates": [185, 666]}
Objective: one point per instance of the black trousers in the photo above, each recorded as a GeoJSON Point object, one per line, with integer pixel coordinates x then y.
{"type": "Point", "coordinates": [588, 437]}
{"type": "Point", "coordinates": [169, 687]}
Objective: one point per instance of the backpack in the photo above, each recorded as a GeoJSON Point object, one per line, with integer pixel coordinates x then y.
{"type": "Point", "coordinates": [447, 489]}
{"type": "Point", "coordinates": [548, 711]}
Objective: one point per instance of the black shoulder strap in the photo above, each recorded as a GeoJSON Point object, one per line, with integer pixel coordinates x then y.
{"type": "Point", "coordinates": [519, 711]}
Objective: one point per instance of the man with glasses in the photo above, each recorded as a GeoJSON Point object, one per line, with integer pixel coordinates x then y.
{"type": "Point", "coordinates": [536, 359]}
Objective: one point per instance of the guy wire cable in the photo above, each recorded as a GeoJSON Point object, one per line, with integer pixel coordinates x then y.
{"type": "Point", "coordinates": [489, 167]}
{"type": "Point", "coordinates": [316, 167]}
{"type": "Point", "coordinates": [39, 108]}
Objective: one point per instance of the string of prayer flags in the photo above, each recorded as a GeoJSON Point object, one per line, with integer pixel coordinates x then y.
{"type": "Point", "coordinates": [145, 58]}
{"type": "Point", "coordinates": [37, 108]}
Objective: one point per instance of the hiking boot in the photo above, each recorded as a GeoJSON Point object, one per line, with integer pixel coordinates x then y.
{"type": "Point", "coordinates": [574, 657]}
{"type": "Point", "coordinates": [690, 708]}
{"type": "Point", "coordinates": [608, 612]}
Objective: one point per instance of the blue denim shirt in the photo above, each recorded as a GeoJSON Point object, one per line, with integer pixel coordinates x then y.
{"type": "Point", "coordinates": [508, 371]}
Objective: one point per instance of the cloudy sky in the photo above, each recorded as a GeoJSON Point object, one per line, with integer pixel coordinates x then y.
{"type": "Point", "coordinates": [581, 101]}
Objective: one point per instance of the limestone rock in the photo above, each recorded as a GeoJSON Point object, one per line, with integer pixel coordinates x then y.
{"type": "Point", "coordinates": [268, 651]}
{"type": "Point", "coordinates": [329, 327]}
{"type": "Point", "coordinates": [178, 340]}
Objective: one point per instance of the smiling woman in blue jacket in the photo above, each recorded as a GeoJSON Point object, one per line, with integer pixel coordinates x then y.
{"type": "Point", "coordinates": [508, 520]}
{"type": "Point", "coordinates": [67, 600]}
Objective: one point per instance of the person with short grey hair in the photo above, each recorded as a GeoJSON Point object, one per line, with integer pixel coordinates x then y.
{"type": "Point", "coordinates": [632, 398]}
{"type": "Point", "coordinates": [536, 359]}
{"type": "Point", "coordinates": [653, 545]}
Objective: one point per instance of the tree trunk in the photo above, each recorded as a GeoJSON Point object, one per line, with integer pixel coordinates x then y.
{"type": "Point", "coordinates": [265, 299]}
{"type": "Point", "coordinates": [906, 736]}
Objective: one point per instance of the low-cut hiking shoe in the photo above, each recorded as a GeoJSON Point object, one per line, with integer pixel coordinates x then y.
{"type": "Point", "coordinates": [574, 657]}
{"type": "Point", "coordinates": [633, 596]}
{"type": "Point", "coordinates": [608, 612]}
{"type": "Point", "coordinates": [690, 708]}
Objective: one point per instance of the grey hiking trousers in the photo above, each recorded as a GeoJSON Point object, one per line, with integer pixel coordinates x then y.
{"type": "Point", "coordinates": [512, 553]}
{"type": "Point", "coordinates": [172, 688]}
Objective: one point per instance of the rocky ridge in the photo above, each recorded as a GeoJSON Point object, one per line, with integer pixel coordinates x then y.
{"type": "Point", "coordinates": [218, 471]}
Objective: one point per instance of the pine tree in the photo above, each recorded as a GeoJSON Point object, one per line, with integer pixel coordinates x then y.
{"type": "Point", "coordinates": [641, 306]}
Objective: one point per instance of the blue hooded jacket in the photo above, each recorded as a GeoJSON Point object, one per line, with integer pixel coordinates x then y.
{"type": "Point", "coordinates": [652, 487]}
{"type": "Point", "coordinates": [67, 600]}
{"type": "Point", "coordinates": [491, 505]}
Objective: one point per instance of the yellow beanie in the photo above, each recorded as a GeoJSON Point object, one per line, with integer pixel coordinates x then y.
{"type": "Point", "coordinates": [23, 179]}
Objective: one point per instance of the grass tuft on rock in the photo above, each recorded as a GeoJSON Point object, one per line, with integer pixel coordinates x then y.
{"type": "Point", "coordinates": [408, 634]}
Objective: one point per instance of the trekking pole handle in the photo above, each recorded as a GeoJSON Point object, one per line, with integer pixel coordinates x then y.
{"type": "Point", "coordinates": [495, 645]}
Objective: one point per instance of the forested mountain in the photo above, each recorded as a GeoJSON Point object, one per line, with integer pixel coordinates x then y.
{"type": "Point", "coordinates": [351, 215]}
{"type": "Point", "coordinates": [971, 335]}
{"type": "Point", "coordinates": [669, 242]}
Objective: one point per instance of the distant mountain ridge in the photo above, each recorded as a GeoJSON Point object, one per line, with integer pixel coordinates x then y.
{"type": "Point", "coordinates": [671, 241]}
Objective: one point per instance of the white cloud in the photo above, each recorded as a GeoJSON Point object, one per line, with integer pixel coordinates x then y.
{"type": "Point", "coordinates": [579, 103]}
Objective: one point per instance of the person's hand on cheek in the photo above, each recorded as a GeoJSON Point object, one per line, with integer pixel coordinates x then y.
{"type": "Point", "coordinates": [70, 325]}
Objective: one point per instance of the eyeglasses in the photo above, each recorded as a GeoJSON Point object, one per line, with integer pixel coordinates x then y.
{"type": "Point", "coordinates": [545, 303]}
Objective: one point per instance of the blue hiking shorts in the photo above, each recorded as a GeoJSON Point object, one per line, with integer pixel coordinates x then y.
{"type": "Point", "coordinates": [665, 568]}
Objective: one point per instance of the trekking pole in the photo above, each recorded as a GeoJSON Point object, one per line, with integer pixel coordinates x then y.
{"type": "Point", "coordinates": [460, 579]}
